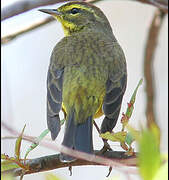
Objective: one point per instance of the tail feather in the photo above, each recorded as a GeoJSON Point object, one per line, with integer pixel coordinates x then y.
{"type": "Point", "coordinates": [83, 136]}
{"type": "Point", "coordinates": [78, 137]}
{"type": "Point", "coordinates": [69, 131]}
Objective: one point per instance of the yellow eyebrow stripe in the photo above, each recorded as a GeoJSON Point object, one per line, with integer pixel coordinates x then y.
{"type": "Point", "coordinates": [80, 6]}
{"type": "Point", "coordinates": [69, 7]}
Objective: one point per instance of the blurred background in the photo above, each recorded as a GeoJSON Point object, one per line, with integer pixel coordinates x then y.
{"type": "Point", "coordinates": [25, 61]}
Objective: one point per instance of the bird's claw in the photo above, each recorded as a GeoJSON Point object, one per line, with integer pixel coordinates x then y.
{"type": "Point", "coordinates": [105, 148]}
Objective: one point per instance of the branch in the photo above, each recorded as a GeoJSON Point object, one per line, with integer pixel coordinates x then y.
{"type": "Point", "coordinates": [26, 29]}
{"type": "Point", "coordinates": [51, 162]}
{"type": "Point", "coordinates": [117, 159]}
{"type": "Point", "coordinates": [15, 137]}
{"type": "Point", "coordinates": [161, 4]}
{"type": "Point", "coordinates": [26, 5]}
{"type": "Point", "coordinates": [23, 6]}
{"type": "Point", "coordinates": [15, 132]}
{"type": "Point", "coordinates": [148, 64]}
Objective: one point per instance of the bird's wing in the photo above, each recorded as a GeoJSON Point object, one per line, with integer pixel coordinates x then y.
{"type": "Point", "coordinates": [60, 58]}
{"type": "Point", "coordinates": [54, 100]}
{"type": "Point", "coordinates": [115, 88]}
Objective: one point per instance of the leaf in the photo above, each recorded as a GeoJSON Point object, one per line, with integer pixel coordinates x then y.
{"type": "Point", "coordinates": [130, 107]}
{"type": "Point", "coordinates": [133, 132]}
{"type": "Point", "coordinates": [35, 144]}
{"type": "Point", "coordinates": [18, 144]}
{"type": "Point", "coordinates": [164, 157]}
{"type": "Point", "coordinates": [7, 165]}
{"type": "Point", "coordinates": [50, 176]}
{"type": "Point", "coordinates": [118, 137]}
{"type": "Point", "coordinates": [7, 177]}
{"type": "Point", "coordinates": [129, 139]}
{"type": "Point", "coordinates": [149, 155]}
{"type": "Point", "coordinates": [4, 156]}
{"type": "Point", "coordinates": [133, 98]}
{"type": "Point", "coordinates": [12, 160]}
{"type": "Point", "coordinates": [162, 173]}
{"type": "Point", "coordinates": [156, 131]}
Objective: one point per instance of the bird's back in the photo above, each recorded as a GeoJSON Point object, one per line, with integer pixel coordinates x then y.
{"type": "Point", "coordinates": [86, 58]}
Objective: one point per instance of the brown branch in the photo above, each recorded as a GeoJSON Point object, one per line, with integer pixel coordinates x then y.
{"type": "Point", "coordinates": [148, 64]}
{"type": "Point", "coordinates": [26, 5]}
{"type": "Point", "coordinates": [161, 4]}
{"type": "Point", "coordinates": [97, 128]}
{"type": "Point", "coordinates": [117, 159]}
{"type": "Point", "coordinates": [23, 6]}
{"type": "Point", "coordinates": [51, 162]}
{"type": "Point", "coordinates": [28, 28]}
{"type": "Point", "coordinates": [33, 26]}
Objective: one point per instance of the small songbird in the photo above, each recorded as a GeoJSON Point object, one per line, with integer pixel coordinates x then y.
{"type": "Point", "coordinates": [87, 76]}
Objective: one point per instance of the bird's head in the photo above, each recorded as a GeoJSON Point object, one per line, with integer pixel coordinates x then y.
{"type": "Point", "coordinates": [79, 16]}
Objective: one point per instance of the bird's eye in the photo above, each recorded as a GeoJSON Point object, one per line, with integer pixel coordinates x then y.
{"type": "Point", "coordinates": [74, 11]}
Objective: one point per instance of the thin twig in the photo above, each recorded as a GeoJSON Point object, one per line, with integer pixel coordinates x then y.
{"type": "Point", "coordinates": [96, 126]}
{"type": "Point", "coordinates": [15, 137]}
{"type": "Point", "coordinates": [33, 26]}
{"type": "Point", "coordinates": [13, 131]}
{"type": "Point", "coordinates": [26, 138]}
{"type": "Point", "coordinates": [148, 64]}
{"type": "Point", "coordinates": [10, 129]}
{"type": "Point", "coordinates": [26, 5]}
{"type": "Point", "coordinates": [161, 4]}
{"type": "Point", "coordinates": [28, 28]}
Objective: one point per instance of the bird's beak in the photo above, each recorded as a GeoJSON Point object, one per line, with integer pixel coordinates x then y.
{"type": "Point", "coordinates": [53, 12]}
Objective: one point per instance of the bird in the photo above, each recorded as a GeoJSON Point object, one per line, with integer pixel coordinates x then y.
{"type": "Point", "coordinates": [86, 78]}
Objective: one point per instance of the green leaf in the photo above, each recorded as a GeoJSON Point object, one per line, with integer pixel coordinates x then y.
{"type": "Point", "coordinates": [7, 177]}
{"type": "Point", "coordinates": [10, 162]}
{"type": "Point", "coordinates": [115, 137]}
{"type": "Point", "coordinates": [149, 155]}
{"type": "Point", "coordinates": [4, 156]}
{"type": "Point", "coordinates": [133, 132]}
{"type": "Point", "coordinates": [35, 144]}
{"type": "Point", "coordinates": [7, 165]}
{"type": "Point", "coordinates": [133, 98]}
{"type": "Point", "coordinates": [162, 173]}
{"type": "Point", "coordinates": [156, 131]}
{"type": "Point", "coordinates": [130, 107]}
{"type": "Point", "coordinates": [13, 160]}
{"type": "Point", "coordinates": [50, 176]}
{"type": "Point", "coordinates": [18, 144]}
{"type": "Point", "coordinates": [129, 138]}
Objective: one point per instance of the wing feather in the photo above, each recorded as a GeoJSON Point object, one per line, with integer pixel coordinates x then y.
{"type": "Point", "coordinates": [54, 100]}
{"type": "Point", "coordinates": [115, 88]}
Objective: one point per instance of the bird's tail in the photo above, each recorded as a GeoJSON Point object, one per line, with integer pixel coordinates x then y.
{"type": "Point", "coordinates": [77, 136]}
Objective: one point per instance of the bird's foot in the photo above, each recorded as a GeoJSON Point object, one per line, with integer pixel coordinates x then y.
{"type": "Point", "coordinates": [66, 158]}
{"type": "Point", "coordinates": [105, 148]}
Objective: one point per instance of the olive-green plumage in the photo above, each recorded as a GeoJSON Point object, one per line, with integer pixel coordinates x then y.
{"type": "Point", "coordinates": [87, 75]}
